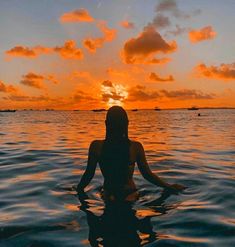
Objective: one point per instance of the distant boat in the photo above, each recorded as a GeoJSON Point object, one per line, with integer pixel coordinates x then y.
{"type": "Point", "coordinates": [49, 110]}
{"type": "Point", "coordinates": [7, 110]}
{"type": "Point", "coordinates": [193, 108]}
{"type": "Point", "coordinates": [157, 109]}
{"type": "Point", "coordinates": [134, 109]}
{"type": "Point", "coordinates": [98, 110]}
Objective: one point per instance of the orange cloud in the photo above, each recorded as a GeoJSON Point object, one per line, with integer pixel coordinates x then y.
{"type": "Point", "coordinates": [80, 74]}
{"type": "Point", "coordinates": [141, 93]}
{"type": "Point", "coordinates": [7, 88]}
{"type": "Point", "coordinates": [28, 98]}
{"type": "Point", "coordinates": [120, 74]}
{"type": "Point", "coordinates": [37, 81]}
{"type": "Point", "coordinates": [93, 43]}
{"type": "Point", "coordinates": [33, 80]}
{"type": "Point", "coordinates": [186, 94]}
{"type": "Point", "coordinates": [82, 96]}
{"type": "Point", "coordinates": [148, 43]}
{"type": "Point", "coordinates": [77, 100]}
{"type": "Point", "coordinates": [154, 77]}
{"type": "Point", "coordinates": [205, 33]}
{"type": "Point", "coordinates": [127, 24]}
{"type": "Point", "coordinates": [52, 79]}
{"type": "Point", "coordinates": [108, 35]}
{"type": "Point", "coordinates": [224, 71]}
{"type": "Point", "coordinates": [158, 60]}
{"type": "Point", "coordinates": [77, 15]}
{"type": "Point", "coordinates": [68, 51]}
{"type": "Point", "coordinates": [124, 75]}
{"type": "Point", "coordinates": [21, 51]}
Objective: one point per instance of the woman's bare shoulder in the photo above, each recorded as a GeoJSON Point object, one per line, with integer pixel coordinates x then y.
{"type": "Point", "coordinates": [136, 145]}
{"type": "Point", "coordinates": [97, 142]}
{"type": "Point", "coordinates": [96, 146]}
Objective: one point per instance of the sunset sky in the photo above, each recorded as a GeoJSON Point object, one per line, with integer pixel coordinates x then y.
{"type": "Point", "coordinates": [85, 54]}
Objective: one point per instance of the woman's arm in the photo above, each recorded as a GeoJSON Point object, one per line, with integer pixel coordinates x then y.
{"type": "Point", "coordinates": [91, 166]}
{"type": "Point", "coordinates": [148, 174]}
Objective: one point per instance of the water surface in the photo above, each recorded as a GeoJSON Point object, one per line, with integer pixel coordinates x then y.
{"type": "Point", "coordinates": [43, 154]}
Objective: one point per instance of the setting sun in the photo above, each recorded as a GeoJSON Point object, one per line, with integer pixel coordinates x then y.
{"type": "Point", "coordinates": [113, 93]}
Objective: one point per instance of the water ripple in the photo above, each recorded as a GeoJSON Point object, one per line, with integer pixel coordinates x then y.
{"type": "Point", "coordinates": [43, 155]}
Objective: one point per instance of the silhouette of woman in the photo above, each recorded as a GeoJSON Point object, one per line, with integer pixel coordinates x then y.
{"type": "Point", "coordinates": [117, 155]}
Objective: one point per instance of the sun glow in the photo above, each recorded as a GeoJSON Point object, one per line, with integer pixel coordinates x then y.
{"type": "Point", "coordinates": [113, 94]}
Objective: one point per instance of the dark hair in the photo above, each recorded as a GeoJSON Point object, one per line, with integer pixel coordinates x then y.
{"type": "Point", "coordinates": [116, 124]}
{"type": "Point", "coordinates": [114, 158]}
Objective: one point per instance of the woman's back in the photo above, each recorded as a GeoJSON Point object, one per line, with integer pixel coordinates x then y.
{"type": "Point", "coordinates": [117, 166]}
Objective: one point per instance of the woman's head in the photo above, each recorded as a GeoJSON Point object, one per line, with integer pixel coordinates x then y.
{"type": "Point", "coordinates": [116, 123]}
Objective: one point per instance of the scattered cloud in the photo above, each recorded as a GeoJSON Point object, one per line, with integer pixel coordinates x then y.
{"type": "Point", "coordinates": [159, 21]}
{"type": "Point", "coordinates": [205, 33]}
{"type": "Point", "coordinates": [141, 93]}
{"type": "Point", "coordinates": [52, 78]}
{"type": "Point", "coordinates": [166, 5]}
{"type": "Point", "coordinates": [147, 44]}
{"type": "Point", "coordinates": [32, 79]}
{"type": "Point", "coordinates": [178, 31]}
{"type": "Point", "coordinates": [4, 88]}
{"type": "Point", "coordinates": [127, 24]}
{"type": "Point", "coordinates": [23, 51]}
{"type": "Point", "coordinates": [223, 71]}
{"type": "Point", "coordinates": [68, 51]}
{"type": "Point", "coordinates": [154, 77]}
{"type": "Point", "coordinates": [124, 75]}
{"type": "Point", "coordinates": [117, 73]}
{"type": "Point", "coordinates": [157, 60]}
{"type": "Point", "coordinates": [186, 94]}
{"type": "Point", "coordinates": [82, 96]}
{"type": "Point", "coordinates": [92, 43]}
{"type": "Point", "coordinates": [108, 35]}
{"type": "Point", "coordinates": [46, 101]}
{"type": "Point", "coordinates": [112, 93]}
{"type": "Point", "coordinates": [77, 15]}
{"type": "Point", "coordinates": [82, 100]}
{"type": "Point", "coordinates": [107, 83]}
{"type": "Point", "coordinates": [80, 74]}
{"type": "Point", "coordinates": [28, 98]}
{"type": "Point", "coordinates": [171, 7]}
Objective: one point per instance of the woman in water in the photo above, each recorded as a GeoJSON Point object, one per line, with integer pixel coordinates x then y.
{"type": "Point", "coordinates": [117, 156]}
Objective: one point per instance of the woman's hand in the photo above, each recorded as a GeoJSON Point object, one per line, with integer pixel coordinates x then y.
{"type": "Point", "coordinates": [176, 188]}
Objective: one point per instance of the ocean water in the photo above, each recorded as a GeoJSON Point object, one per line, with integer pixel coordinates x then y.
{"type": "Point", "coordinates": [43, 155]}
